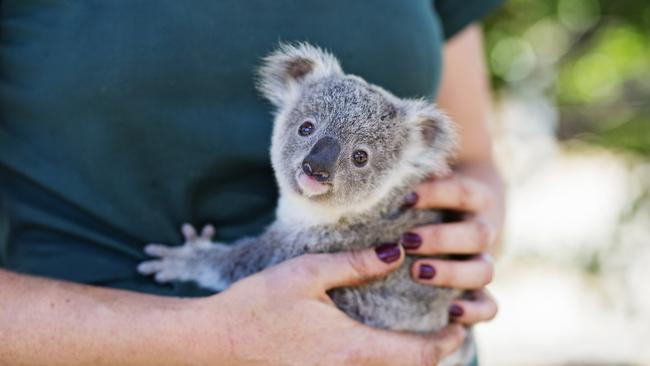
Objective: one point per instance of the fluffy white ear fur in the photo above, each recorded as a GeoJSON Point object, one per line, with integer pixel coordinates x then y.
{"type": "Point", "coordinates": [436, 131]}
{"type": "Point", "coordinates": [283, 71]}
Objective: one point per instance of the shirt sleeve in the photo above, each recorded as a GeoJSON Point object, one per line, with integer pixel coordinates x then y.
{"type": "Point", "coordinates": [457, 14]}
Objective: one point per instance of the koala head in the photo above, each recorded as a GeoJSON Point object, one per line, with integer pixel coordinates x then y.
{"type": "Point", "coordinates": [341, 144]}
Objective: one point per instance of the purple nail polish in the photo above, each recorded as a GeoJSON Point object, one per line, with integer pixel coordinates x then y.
{"type": "Point", "coordinates": [410, 200]}
{"type": "Point", "coordinates": [456, 311]}
{"type": "Point", "coordinates": [411, 241]}
{"type": "Point", "coordinates": [426, 272]}
{"type": "Point", "coordinates": [388, 252]}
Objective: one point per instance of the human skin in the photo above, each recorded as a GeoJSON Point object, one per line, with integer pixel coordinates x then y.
{"type": "Point", "coordinates": [282, 316]}
{"type": "Point", "coordinates": [474, 188]}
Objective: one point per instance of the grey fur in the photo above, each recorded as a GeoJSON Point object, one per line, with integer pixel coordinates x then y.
{"type": "Point", "coordinates": [406, 141]}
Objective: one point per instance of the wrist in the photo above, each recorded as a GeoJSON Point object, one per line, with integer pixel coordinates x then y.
{"type": "Point", "coordinates": [484, 170]}
{"type": "Point", "coordinates": [171, 331]}
{"type": "Point", "coordinates": [487, 173]}
{"type": "Point", "coordinates": [200, 327]}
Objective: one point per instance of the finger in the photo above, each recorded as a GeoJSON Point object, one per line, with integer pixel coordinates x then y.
{"type": "Point", "coordinates": [208, 232]}
{"type": "Point", "coordinates": [150, 267]}
{"type": "Point", "coordinates": [391, 348]}
{"type": "Point", "coordinates": [157, 250]}
{"type": "Point", "coordinates": [163, 277]}
{"type": "Point", "coordinates": [189, 233]}
{"type": "Point", "coordinates": [448, 340]}
{"type": "Point", "coordinates": [469, 274]}
{"type": "Point", "coordinates": [480, 308]}
{"type": "Point", "coordinates": [466, 237]}
{"type": "Point", "coordinates": [457, 193]}
{"type": "Point", "coordinates": [347, 268]}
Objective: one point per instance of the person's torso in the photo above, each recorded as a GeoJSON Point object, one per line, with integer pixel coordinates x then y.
{"type": "Point", "coordinates": [122, 119]}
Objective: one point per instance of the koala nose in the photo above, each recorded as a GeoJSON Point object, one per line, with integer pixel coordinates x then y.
{"type": "Point", "coordinates": [321, 176]}
{"type": "Point", "coordinates": [321, 160]}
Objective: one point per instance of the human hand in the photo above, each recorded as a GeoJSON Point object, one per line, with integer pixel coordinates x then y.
{"type": "Point", "coordinates": [283, 316]}
{"type": "Point", "coordinates": [474, 235]}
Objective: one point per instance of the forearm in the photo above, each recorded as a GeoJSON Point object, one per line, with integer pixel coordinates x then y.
{"type": "Point", "coordinates": [57, 323]}
{"type": "Point", "coordinates": [465, 96]}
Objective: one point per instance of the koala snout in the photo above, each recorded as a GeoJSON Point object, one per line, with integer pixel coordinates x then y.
{"type": "Point", "coordinates": [321, 160]}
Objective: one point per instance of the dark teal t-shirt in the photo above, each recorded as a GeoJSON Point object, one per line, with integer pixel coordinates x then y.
{"type": "Point", "coordinates": [122, 119]}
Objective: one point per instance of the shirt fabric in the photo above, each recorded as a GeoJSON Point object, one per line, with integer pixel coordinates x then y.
{"type": "Point", "coordinates": [122, 119]}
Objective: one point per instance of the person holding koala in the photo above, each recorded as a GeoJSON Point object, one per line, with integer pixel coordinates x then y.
{"type": "Point", "coordinates": [123, 119]}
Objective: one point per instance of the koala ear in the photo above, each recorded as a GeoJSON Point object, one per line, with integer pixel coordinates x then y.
{"type": "Point", "coordinates": [435, 131]}
{"type": "Point", "coordinates": [286, 69]}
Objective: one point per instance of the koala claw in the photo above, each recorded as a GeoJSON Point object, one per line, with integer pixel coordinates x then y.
{"type": "Point", "coordinates": [150, 267]}
{"type": "Point", "coordinates": [199, 241]}
{"type": "Point", "coordinates": [177, 262]}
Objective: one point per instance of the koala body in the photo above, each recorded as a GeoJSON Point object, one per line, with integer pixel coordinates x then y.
{"type": "Point", "coordinates": [345, 153]}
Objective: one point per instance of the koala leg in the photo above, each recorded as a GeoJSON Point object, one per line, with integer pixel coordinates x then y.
{"type": "Point", "coordinates": [198, 259]}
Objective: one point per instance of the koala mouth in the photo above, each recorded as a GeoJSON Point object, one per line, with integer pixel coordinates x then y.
{"type": "Point", "coordinates": [309, 186]}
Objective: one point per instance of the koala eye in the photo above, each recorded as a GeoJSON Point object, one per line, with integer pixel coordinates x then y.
{"type": "Point", "coordinates": [360, 158]}
{"type": "Point", "coordinates": [306, 129]}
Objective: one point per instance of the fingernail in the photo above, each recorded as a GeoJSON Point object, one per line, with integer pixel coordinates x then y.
{"type": "Point", "coordinates": [410, 200]}
{"type": "Point", "coordinates": [426, 272]}
{"type": "Point", "coordinates": [456, 311]}
{"type": "Point", "coordinates": [411, 241]}
{"type": "Point", "coordinates": [388, 252]}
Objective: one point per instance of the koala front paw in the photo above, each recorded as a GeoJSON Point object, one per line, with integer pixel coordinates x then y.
{"type": "Point", "coordinates": [179, 262]}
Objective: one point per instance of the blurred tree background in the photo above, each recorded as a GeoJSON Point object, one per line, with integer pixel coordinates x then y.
{"type": "Point", "coordinates": [571, 82]}
{"type": "Point", "coordinates": [591, 56]}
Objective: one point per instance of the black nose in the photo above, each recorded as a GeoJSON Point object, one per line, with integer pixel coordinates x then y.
{"type": "Point", "coordinates": [319, 175]}
{"type": "Point", "coordinates": [321, 160]}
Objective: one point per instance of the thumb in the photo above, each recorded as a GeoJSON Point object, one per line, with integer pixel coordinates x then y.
{"type": "Point", "coordinates": [447, 340]}
{"type": "Point", "coordinates": [353, 267]}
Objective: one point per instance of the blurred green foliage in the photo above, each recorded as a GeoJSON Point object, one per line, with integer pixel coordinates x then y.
{"type": "Point", "coordinates": [591, 56]}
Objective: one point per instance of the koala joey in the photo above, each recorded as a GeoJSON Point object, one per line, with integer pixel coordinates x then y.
{"type": "Point", "coordinates": [345, 153]}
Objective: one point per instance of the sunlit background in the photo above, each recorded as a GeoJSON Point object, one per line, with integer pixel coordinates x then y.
{"type": "Point", "coordinates": [572, 89]}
